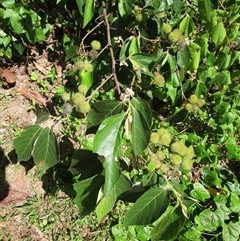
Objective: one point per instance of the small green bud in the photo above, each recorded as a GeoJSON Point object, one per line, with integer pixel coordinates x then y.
{"type": "Point", "coordinates": [161, 155]}
{"type": "Point", "coordinates": [164, 168]}
{"type": "Point", "coordinates": [82, 89]}
{"type": "Point", "coordinates": [159, 79]}
{"type": "Point", "coordinates": [66, 96]}
{"type": "Point", "coordinates": [189, 107]}
{"type": "Point", "coordinates": [83, 107]}
{"type": "Point", "coordinates": [200, 103]}
{"type": "Point", "coordinates": [175, 35]}
{"type": "Point", "coordinates": [93, 54]}
{"type": "Point", "coordinates": [88, 67]}
{"type": "Point", "coordinates": [193, 99]}
{"type": "Point", "coordinates": [155, 161]}
{"type": "Point", "coordinates": [79, 65]}
{"type": "Point", "coordinates": [179, 148]}
{"type": "Point", "coordinates": [77, 98]}
{"type": "Point", "coordinates": [167, 28]}
{"type": "Point", "coordinates": [165, 140]}
{"type": "Point", "coordinates": [96, 45]}
{"type": "Point", "coordinates": [176, 160]}
{"type": "Point", "coordinates": [154, 138]}
{"type": "Point", "coordinates": [161, 14]}
{"type": "Point", "coordinates": [187, 164]}
{"type": "Point", "coordinates": [139, 17]}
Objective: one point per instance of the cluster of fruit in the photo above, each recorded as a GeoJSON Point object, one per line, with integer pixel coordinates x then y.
{"type": "Point", "coordinates": [177, 155]}
{"type": "Point", "coordinates": [194, 103]}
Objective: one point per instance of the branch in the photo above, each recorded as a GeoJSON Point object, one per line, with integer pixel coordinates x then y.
{"type": "Point", "coordinates": [110, 48]}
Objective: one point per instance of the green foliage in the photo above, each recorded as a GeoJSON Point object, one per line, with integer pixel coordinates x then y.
{"type": "Point", "coordinates": [162, 110]}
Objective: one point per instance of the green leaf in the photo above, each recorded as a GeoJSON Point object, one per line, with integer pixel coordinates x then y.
{"type": "Point", "coordinates": [87, 193]}
{"type": "Point", "coordinates": [45, 152]}
{"type": "Point", "coordinates": [8, 13]}
{"type": "Point", "coordinates": [71, 52]}
{"type": "Point", "coordinates": [207, 220]}
{"type": "Point", "coordinates": [107, 143]}
{"type": "Point", "coordinates": [195, 52]}
{"type": "Point", "coordinates": [223, 78]}
{"type": "Point", "coordinates": [42, 114]}
{"type": "Point", "coordinates": [16, 23]}
{"type": "Point", "coordinates": [19, 47]}
{"type": "Point", "coordinates": [86, 78]}
{"type": "Point", "coordinates": [80, 4]}
{"type": "Point", "coordinates": [39, 35]}
{"type": "Point", "coordinates": [201, 89]}
{"type": "Point", "coordinates": [169, 224]}
{"type": "Point", "coordinates": [124, 7]}
{"type": "Point", "coordinates": [141, 121]}
{"type": "Point", "coordinates": [183, 58]}
{"type": "Point", "coordinates": [88, 12]}
{"type": "Point", "coordinates": [24, 144]}
{"type": "Point", "coordinates": [86, 163]}
{"type": "Point", "coordinates": [101, 110]}
{"type": "Point", "coordinates": [199, 192]}
{"type": "Point", "coordinates": [210, 176]}
{"type": "Point", "coordinates": [148, 207]}
{"type": "Point", "coordinates": [8, 4]}
{"type": "Point", "coordinates": [107, 203]}
{"type": "Point", "coordinates": [203, 42]}
{"type": "Point", "coordinates": [134, 46]}
{"type": "Point", "coordinates": [231, 231]}
{"type": "Point", "coordinates": [172, 92]}
{"type": "Point", "coordinates": [204, 10]}
{"type": "Point", "coordinates": [143, 61]}
{"type": "Point", "coordinates": [187, 26]}
{"type": "Point", "coordinates": [218, 33]}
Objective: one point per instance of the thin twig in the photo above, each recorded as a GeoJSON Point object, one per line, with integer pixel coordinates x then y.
{"type": "Point", "coordinates": [94, 92]}
{"type": "Point", "coordinates": [83, 39]}
{"type": "Point", "coordinates": [110, 48]}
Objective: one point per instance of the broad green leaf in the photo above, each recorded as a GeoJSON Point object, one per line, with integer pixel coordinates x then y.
{"type": "Point", "coordinates": [86, 163]}
{"type": "Point", "coordinates": [210, 176]}
{"type": "Point", "coordinates": [148, 207]}
{"type": "Point", "coordinates": [8, 13]}
{"type": "Point", "coordinates": [39, 35]}
{"type": "Point", "coordinates": [199, 192]}
{"type": "Point", "coordinates": [218, 33]}
{"type": "Point", "coordinates": [183, 58]}
{"type": "Point", "coordinates": [203, 42]}
{"type": "Point", "coordinates": [71, 52]}
{"type": "Point", "coordinates": [143, 61]}
{"type": "Point", "coordinates": [16, 23]}
{"type": "Point", "coordinates": [207, 220]}
{"type": "Point", "coordinates": [172, 62]}
{"type": "Point", "coordinates": [141, 122]}
{"type": "Point", "coordinates": [86, 78]}
{"type": "Point", "coordinates": [88, 12]}
{"type": "Point", "coordinates": [141, 106]}
{"type": "Point", "coordinates": [234, 32]}
{"type": "Point", "coordinates": [8, 3]}
{"type": "Point", "coordinates": [87, 193]}
{"type": "Point", "coordinates": [107, 203]}
{"type": "Point", "coordinates": [124, 7]}
{"type": "Point", "coordinates": [45, 152]}
{"type": "Point", "coordinates": [169, 224]}
{"type": "Point", "coordinates": [24, 143]}
{"type": "Point", "coordinates": [19, 47]}
{"type": "Point", "coordinates": [42, 114]}
{"type": "Point", "coordinates": [172, 92]}
{"type": "Point", "coordinates": [223, 60]}
{"type": "Point", "coordinates": [140, 132]}
{"type": "Point", "coordinates": [223, 78]}
{"type": "Point", "coordinates": [101, 110]}
{"type": "Point", "coordinates": [204, 10]}
{"type": "Point", "coordinates": [195, 52]}
{"type": "Point", "coordinates": [187, 26]}
{"type": "Point", "coordinates": [80, 4]}
{"type": "Point", "coordinates": [201, 89]}
{"type": "Point", "coordinates": [134, 46]}
{"type": "Point", "coordinates": [231, 231]}
{"type": "Point", "coordinates": [107, 143]}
